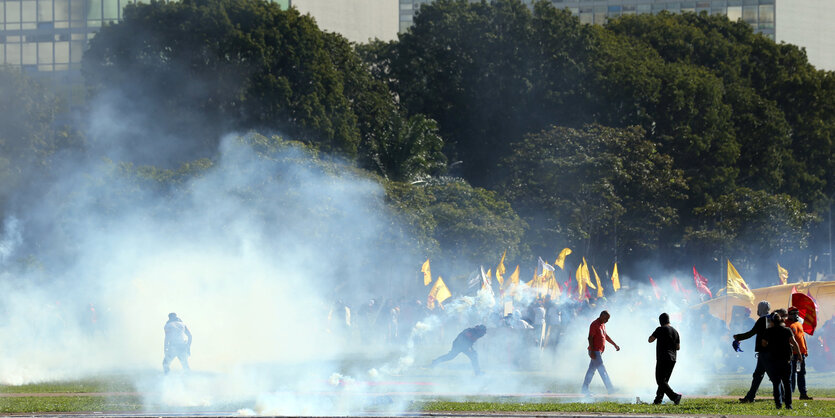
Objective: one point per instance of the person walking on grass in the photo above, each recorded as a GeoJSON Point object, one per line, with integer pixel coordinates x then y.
{"type": "Point", "coordinates": [779, 341]}
{"type": "Point", "coordinates": [597, 343]}
{"type": "Point", "coordinates": [798, 366]}
{"type": "Point", "coordinates": [667, 343]}
{"type": "Point", "coordinates": [177, 343]}
{"type": "Point", "coordinates": [762, 355]}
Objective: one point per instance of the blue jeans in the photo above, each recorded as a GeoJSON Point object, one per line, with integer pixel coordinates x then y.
{"type": "Point", "coordinates": [799, 373]}
{"type": "Point", "coordinates": [596, 364]}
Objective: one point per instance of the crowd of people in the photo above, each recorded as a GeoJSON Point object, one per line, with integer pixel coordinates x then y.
{"type": "Point", "coordinates": [781, 347]}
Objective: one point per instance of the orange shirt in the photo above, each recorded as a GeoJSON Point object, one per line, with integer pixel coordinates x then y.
{"type": "Point", "coordinates": [597, 332]}
{"type": "Point", "coordinates": [797, 330]}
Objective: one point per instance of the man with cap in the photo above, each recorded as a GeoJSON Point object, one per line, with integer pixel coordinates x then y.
{"type": "Point", "coordinates": [177, 342]}
{"type": "Point", "coordinates": [798, 364]}
{"type": "Point", "coordinates": [762, 323]}
{"type": "Point", "coordinates": [464, 344]}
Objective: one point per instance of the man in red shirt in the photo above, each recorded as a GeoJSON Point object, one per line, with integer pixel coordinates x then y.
{"type": "Point", "coordinates": [597, 343]}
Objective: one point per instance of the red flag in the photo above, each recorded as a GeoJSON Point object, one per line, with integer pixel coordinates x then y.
{"type": "Point", "coordinates": [655, 288]}
{"type": "Point", "coordinates": [807, 309]}
{"type": "Point", "coordinates": [568, 287]}
{"type": "Point", "coordinates": [701, 283]}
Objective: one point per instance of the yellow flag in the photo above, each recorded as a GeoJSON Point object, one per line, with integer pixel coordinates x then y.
{"type": "Point", "coordinates": [554, 288]}
{"type": "Point", "coordinates": [581, 282]}
{"type": "Point", "coordinates": [586, 274]}
{"type": "Point", "coordinates": [615, 278]}
{"type": "Point", "coordinates": [439, 293]}
{"type": "Point", "coordinates": [736, 285]}
{"type": "Point", "coordinates": [597, 279]}
{"type": "Point", "coordinates": [427, 276]}
{"type": "Point", "coordinates": [514, 278]}
{"type": "Point", "coordinates": [561, 258]}
{"type": "Point", "coordinates": [783, 273]}
{"type": "Point", "coordinates": [500, 269]}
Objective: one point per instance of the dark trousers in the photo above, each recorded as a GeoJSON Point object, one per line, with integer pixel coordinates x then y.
{"type": "Point", "coordinates": [798, 371]}
{"type": "Point", "coordinates": [663, 371]}
{"type": "Point", "coordinates": [759, 372]}
{"type": "Point", "coordinates": [778, 373]}
{"type": "Point", "coordinates": [457, 349]}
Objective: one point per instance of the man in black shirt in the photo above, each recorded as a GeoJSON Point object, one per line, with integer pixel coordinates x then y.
{"type": "Point", "coordinates": [779, 341]}
{"type": "Point", "coordinates": [762, 355]}
{"type": "Point", "coordinates": [665, 356]}
{"type": "Point", "coordinates": [464, 344]}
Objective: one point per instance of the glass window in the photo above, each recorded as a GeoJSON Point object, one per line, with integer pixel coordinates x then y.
{"type": "Point", "coordinates": [13, 54]}
{"type": "Point", "coordinates": [673, 7]}
{"type": "Point", "coordinates": [29, 11]}
{"type": "Point", "coordinates": [111, 9]}
{"type": "Point", "coordinates": [718, 11]}
{"type": "Point", "coordinates": [76, 10]}
{"type": "Point", "coordinates": [600, 15]}
{"type": "Point", "coordinates": [94, 9]}
{"type": "Point", "coordinates": [76, 49]}
{"type": "Point", "coordinates": [62, 11]}
{"type": "Point", "coordinates": [2, 16]}
{"type": "Point", "coordinates": [749, 14]}
{"type": "Point", "coordinates": [702, 4]}
{"type": "Point", "coordinates": [574, 10]}
{"type": "Point", "coordinates": [44, 10]}
{"type": "Point", "coordinates": [12, 12]}
{"type": "Point", "coordinates": [62, 52]}
{"type": "Point", "coordinates": [614, 9]}
{"type": "Point", "coordinates": [44, 52]}
{"type": "Point", "coordinates": [734, 13]}
{"type": "Point", "coordinates": [406, 6]}
{"type": "Point", "coordinates": [766, 16]}
{"type": "Point", "coordinates": [644, 8]}
{"type": "Point", "coordinates": [29, 53]}
{"type": "Point", "coordinates": [2, 54]}
{"type": "Point", "coordinates": [586, 17]}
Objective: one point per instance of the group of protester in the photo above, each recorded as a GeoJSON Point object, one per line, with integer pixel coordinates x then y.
{"type": "Point", "coordinates": [781, 354]}
{"type": "Point", "coordinates": [780, 344]}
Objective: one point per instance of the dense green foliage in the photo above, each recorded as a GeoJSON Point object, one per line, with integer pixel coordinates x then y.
{"type": "Point", "coordinates": [725, 114]}
{"type": "Point", "coordinates": [683, 138]}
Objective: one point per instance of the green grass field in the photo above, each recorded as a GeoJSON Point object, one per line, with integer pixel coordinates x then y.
{"type": "Point", "coordinates": [68, 396]}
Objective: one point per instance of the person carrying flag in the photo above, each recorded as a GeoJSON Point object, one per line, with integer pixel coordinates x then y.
{"type": "Point", "coordinates": [798, 363]}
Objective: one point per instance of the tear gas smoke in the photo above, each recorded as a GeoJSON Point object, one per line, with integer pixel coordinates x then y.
{"type": "Point", "coordinates": [265, 256]}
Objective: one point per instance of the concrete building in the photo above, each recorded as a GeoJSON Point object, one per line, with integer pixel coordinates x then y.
{"type": "Point", "coordinates": [357, 20]}
{"type": "Point", "coordinates": [806, 23]}
{"type": "Point", "coordinates": [50, 36]}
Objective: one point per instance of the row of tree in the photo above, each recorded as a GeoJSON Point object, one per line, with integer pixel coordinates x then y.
{"type": "Point", "coordinates": [680, 139]}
